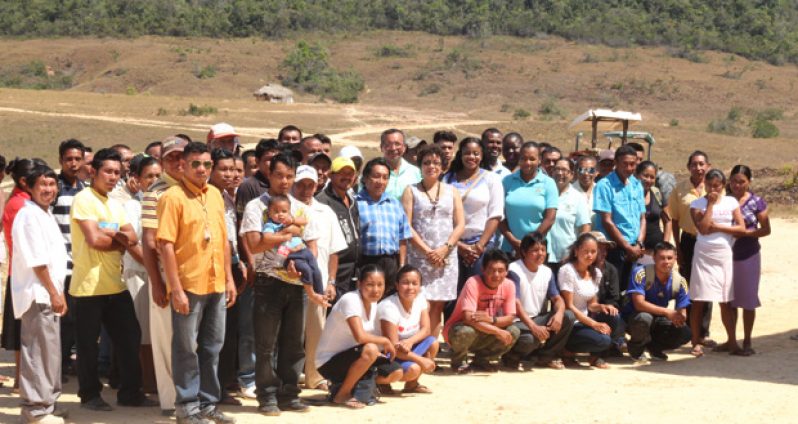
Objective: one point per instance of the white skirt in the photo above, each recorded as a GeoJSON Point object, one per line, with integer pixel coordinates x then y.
{"type": "Point", "coordinates": [713, 269]}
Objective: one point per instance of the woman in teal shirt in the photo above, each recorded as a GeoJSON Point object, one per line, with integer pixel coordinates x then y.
{"type": "Point", "coordinates": [530, 200]}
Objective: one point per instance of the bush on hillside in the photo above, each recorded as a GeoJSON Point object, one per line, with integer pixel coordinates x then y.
{"type": "Point", "coordinates": [307, 68]}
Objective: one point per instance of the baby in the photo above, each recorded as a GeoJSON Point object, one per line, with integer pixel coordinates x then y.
{"type": "Point", "coordinates": [278, 220]}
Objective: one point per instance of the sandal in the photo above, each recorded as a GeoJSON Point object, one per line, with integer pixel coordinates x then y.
{"type": "Point", "coordinates": [386, 390]}
{"type": "Point", "coordinates": [352, 403]}
{"type": "Point", "coordinates": [556, 364]}
{"type": "Point", "coordinates": [599, 363]}
{"type": "Point", "coordinates": [697, 351]}
{"type": "Point", "coordinates": [709, 343]}
{"type": "Point", "coordinates": [229, 400]}
{"type": "Point", "coordinates": [418, 388]}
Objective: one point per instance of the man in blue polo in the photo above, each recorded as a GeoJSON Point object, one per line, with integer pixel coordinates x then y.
{"type": "Point", "coordinates": [650, 323]}
{"type": "Point", "coordinates": [619, 203]}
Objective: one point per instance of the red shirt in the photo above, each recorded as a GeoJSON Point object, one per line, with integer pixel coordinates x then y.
{"type": "Point", "coordinates": [476, 296]}
{"type": "Point", "coordinates": [14, 204]}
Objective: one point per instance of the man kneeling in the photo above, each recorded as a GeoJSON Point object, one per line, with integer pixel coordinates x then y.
{"type": "Point", "coordinates": [483, 317]}
{"type": "Point", "coordinates": [650, 323]}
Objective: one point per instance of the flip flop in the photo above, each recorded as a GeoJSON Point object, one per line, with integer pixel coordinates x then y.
{"type": "Point", "coordinates": [697, 351]}
{"type": "Point", "coordinates": [418, 388]}
{"type": "Point", "coordinates": [556, 364]}
{"type": "Point", "coordinates": [352, 403]}
{"type": "Point", "coordinates": [571, 362]}
{"type": "Point", "coordinates": [709, 343]}
{"type": "Point", "coordinates": [599, 363]}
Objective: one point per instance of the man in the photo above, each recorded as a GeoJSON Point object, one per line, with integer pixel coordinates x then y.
{"type": "Point", "coordinates": [549, 158]}
{"type": "Point", "coordinates": [446, 140]}
{"type": "Point", "coordinates": [84, 174]}
{"type": "Point", "coordinates": [154, 149]}
{"type": "Point", "coordinates": [337, 196]}
{"type": "Point", "coordinates": [326, 143]}
{"type": "Point", "coordinates": [321, 163]}
{"type": "Point", "coordinates": [223, 136]}
{"type": "Point", "coordinates": [192, 237]}
{"type": "Point", "coordinates": [250, 162]}
{"type": "Point", "coordinates": [651, 325]}
{"type": "Point", "coordinates": [309, 146]}
{"type": "Point", "coordinates": [402, 173]}
{"type": "Point", "coordinates": [511, 150]}
{"type": "Point", "coordinates": [492, 143]}
{"type": "Point", "coordinates": [384, 228]}
{"type": "Point", "coordinates": [279, 313]}
{"type": "Point", "coordinates": [121, 192]}
{"type": "Point", "coordinates": [39, 265]}
{"type": "Point", "coordinates": [586, 180]}
{"type": "Point", "coordinates": [619, 203]}
{"type": "Point", "coordinates": [483, 316]}
{"type": "Point", "coordinates": [353, 153]}
{"type": "Point", "coordinates": [684, 229]}
{"type": "Point", "coordinates": [639, 149]}
{"type": "Point", "coordinates": [606, 163]}
{"type": "Point", "coordinates": [160, 314]}
{"type": "Point", "coordinates": [70, 157]}
{"type": "Point", "coordinates": [414, 145]}
{"type": "Point", "coordinates": [330, 242]}
{"type": "Point", "coordinates": [100, 234]}
{"type": "Point", "coordinates": [290, 135]}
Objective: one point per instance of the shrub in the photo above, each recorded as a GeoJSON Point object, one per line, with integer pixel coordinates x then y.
{"type": "Point", "coordinates": [762, 128]}
{"type": "Point", "coordinates": [390, 50]}
{"type": "Point", "coordinates": [520, 114]}
{"type": "Point", "coordinates": [204, 72]}
{"type": "Point", "coordinates": [307, 68]}
{"type": "Point", "coordinates": [550, 110]}
{"type": "Point", "coordinates": [689, 54]}
{"type": "Point", "coordinates": [430, 89]}
{"type": "Point", "coordinates": [723, 126]}
{"type": "Point", "coordinates": [674, 122]}
{"type": "Point", "coordinates": [196, 110]}
{"type": "Point", "coordinates": [771, 114]}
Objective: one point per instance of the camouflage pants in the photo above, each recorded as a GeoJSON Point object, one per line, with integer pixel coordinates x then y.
{"type": "Point", "coordinates": [485, 347]}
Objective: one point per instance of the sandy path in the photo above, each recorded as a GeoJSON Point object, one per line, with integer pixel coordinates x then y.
{"type": "Point", "coordinates": [717, 388]}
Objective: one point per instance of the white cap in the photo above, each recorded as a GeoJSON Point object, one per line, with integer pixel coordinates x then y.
{"type": "Point", "coordinates": [307, 171]}
{"type": "Point", "coordinates": [350, 152]}
{"type": "Point", "coordinates": [607, 154]}
{"type": "Point", "coordinates": [221, 130]}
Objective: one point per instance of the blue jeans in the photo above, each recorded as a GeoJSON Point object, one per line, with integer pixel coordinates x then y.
{"type": "Point", "coordinates": [196, 342]}
{"type": "Point", "coordinates": [279, 318]}
{"type": "Point", "coordinates": [246, 338]}
{"type": "Point", "coordinates": [584, 339]}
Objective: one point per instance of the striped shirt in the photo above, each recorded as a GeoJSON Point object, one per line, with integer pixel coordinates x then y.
{"type": "Point", "coordinates": [149, 201]}
{"type": "Point", "coordinates": [61, 209]}
{"type": "Point", "coordinates": [383, 224]}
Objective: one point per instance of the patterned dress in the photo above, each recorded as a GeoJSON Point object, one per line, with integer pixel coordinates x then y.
{"type": "Point", "coordinates": [434, 224]}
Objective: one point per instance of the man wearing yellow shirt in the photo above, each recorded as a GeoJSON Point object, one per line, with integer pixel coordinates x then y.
{"type": "Point", "coordinates": [684, 229]}
{"type": "Point", "coordinates": [192, 238]}
{"type": "Point", "coordinates": [100, 235]}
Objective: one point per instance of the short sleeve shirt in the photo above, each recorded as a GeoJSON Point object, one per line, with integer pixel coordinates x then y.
{"type": "Point", "coordinates": [483, 199]}
{"type": "Point", "coordinates": [95, 273]}
{"type": "Point", "coordinates": [658, 294]}
{"type": "Point", "coordinates": [525, 203]}
{"type": "Point", "coordinates": [745, 247]}
{"type": "Point", "coordinates": [337, 336]}
{"type": "Point", "coordinates": [532, 288]}
{"type": "Point", "coordinates": [383, 224]}
{"type": "Point", "coordinates": [476, 296]}
{"type": "Point", "coordinates": [583, 289]}
{"type": "Point", "coordinates": [408, 174]}
{"type": "Point", "coordinates": [625, 202]}
{"type": "Point", "coordinates": [149, 201]}
{"type": "Point", "coordinates": [408, 323]}
{"type": "Point", "coordinates": [680, 199]}
{"type": "Point", "coordinates": [572, 213]}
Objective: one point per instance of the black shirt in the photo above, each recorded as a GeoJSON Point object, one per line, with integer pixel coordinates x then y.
{"type": "Point", "coordinates": [348, 218]}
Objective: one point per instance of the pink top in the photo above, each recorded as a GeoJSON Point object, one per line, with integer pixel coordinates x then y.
{"type": "Point", "coordinates": [476, 296]}
{"type": "Point", "coordinates": [14, 204]}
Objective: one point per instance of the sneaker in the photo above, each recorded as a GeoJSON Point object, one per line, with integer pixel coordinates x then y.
{"type": "Point", "coordinates": [641, 359]}
{"type": "Point", "coordinates": [215, 415]}
{"type": "Point", "coordinates": [658, 355]}
{"type": "Point", "coordinates": [193, 419]}
{"type": "Point", "coordinates": [293, 405]}
{"type": "Point", "coordinates": [269, 409]}
{"type": "Point", "coordinates": [96, 404]}
{"type": "Point", "coordinates": [247, 392]}
{"type": "Point", "coordinates": [48, 419]}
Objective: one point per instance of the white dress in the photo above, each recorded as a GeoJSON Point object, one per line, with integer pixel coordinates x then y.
{"type": "Point", "coordinates": [712, 271]}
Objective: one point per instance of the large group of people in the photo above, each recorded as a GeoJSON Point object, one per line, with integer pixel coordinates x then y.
{"type": "Point", "coordinates": [202, 273]}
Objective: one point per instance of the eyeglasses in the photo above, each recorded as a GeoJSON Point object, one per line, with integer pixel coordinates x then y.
{"type": "Point", "coordinates": [587, 170]}
{"type": "Point", "coordinates": [196, 164]}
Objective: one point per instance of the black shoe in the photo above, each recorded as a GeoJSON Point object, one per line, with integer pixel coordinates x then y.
{"type": "Point", "coordinates": [167, 412]}
{"type": "Point", "coordinates": [218, 417]}
{"type": "Point", "coordinates": [293, 405]}
{"type": "Point", "coordinates": [269, 409]}
{"type": "Point", "coordinates": [143, 402]}
{"type": "Point", "coordinates": [192, 419]}
{"type": "Point", "coordinates": [658, 355]}
{"type": "Point", "coordinates": [96, 404]}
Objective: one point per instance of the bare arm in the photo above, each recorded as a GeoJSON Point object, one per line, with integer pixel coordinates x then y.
{"type": "Point", "coordinates": [407, 204]}
{"type": "Point", "coordinates": [260, 242]}
{"type": "Point", "coordinates": [642, 305]}
{"type": "Point", "coordinates": [665, 217]}
{"type": "Point", "coordinates": [402, 252]}
{"type": "Point", "coordinates": [56, 299]}
{"type": "Point", "coordinates": [548, 221]}
{"type": "Point", "coordinates": [362, 336]}
{"type": "Point", "coordinates": [149, 253]}
{"type": "Point", "coordinates": [97, 238]}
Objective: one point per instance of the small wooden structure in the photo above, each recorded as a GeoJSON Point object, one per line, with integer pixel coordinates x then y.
{"type": "Point", "coordinates": [274, 93]}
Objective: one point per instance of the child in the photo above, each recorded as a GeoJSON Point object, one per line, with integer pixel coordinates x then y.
{"type": "Point", "coordinates": [279, 220]}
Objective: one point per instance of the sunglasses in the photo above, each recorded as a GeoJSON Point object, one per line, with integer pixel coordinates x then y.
{"type": "Point", "coordinates": [587, 170]}
{"type": "Point", "coordinates": [196, 164]}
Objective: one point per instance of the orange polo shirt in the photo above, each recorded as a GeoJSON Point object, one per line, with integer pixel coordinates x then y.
{"type": "Point", "coordinates": [193, 219]}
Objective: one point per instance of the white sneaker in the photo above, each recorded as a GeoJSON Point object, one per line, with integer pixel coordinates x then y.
{"type": "Point", "coordinates": [641, 360]}
{"type": "Point", "coordinates": [48, 419]}
{"type": "Point", "coordinates": [247, 392]}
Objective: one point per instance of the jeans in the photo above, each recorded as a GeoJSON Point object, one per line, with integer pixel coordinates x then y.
{"type": "Point", "coordinates": [246, 339]}
{"type": "Point", "coordinates": [548, 350]}
{"type": "Point", "coordinates": [197, 339]}
{"type": "Point", "coordinates": [116, 313]}
{"type": "Point", "coordinates": [584, 339]}
{"type": "Point", "coordinates": [279, 318]}
{"type": "Point", "coordinates": [306, 264]}
{"type": "Point", "coordinates": [655, 333]}
{"type": "Point", "coordinates": [485, 347]}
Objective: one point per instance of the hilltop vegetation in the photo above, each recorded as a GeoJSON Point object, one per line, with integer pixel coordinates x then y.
{"type": "Point", "coordinates": [756, 29]}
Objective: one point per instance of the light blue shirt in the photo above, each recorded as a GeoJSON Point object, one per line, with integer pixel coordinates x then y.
{"type": "Point", "coordinates": [572, 213]}
{"type": "Point", "coordinates": [407, 175]}
{"type": "Point", "coordinates": [626, 203]}
{"type": "Point", "coordinates": [525, 203]}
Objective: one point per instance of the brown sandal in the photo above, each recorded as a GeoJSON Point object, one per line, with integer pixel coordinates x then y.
{"type": "Point", "coordinates": [418, 388]}
{"type": "Point", "coordinates": [556, 364]}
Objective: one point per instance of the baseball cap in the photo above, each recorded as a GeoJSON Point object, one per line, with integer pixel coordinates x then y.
{"type": "Point", "coordinates": [350, 152]}
{"type": "Point", "coordinates": [221, 130]}
{"type": "Point", "coordinates": [315, 156]}
{"type": "Point", "coordinates": [414, 142]}
{"type": "Point", "coordinates": [307, 171]}
{"type": "Point", "coordinates": [607, 154]}
{"type": "Point", "coordinates": [173, 144]}
{"type": "Point", "coordinates": [602, 239]}
{"type": "Point", "coordinates": [342, 162]}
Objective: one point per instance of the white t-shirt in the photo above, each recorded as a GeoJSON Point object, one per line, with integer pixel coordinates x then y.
{"type": "Point", "coordinates": [484, 201]}
{"type": "Point", "coordinates": [337, 336]}
{"type": "Point", "coordinates": [722, 214]}
{"type": "Point", "coordinates": [331, 238]}
{"type": "Point", "coordinates": [533, 286]}
{"type": "Point", "coordinates": [583, 289]}
{"type": "Point", "coordinates": [37, 241]}
{"type": "Point", "coordinates": [407, 323]}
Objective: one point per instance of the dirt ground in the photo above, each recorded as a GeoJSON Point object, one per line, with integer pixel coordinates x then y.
{"type": "Point", "coordinates": [717, 387]}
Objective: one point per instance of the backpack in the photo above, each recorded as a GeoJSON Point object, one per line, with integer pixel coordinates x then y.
{"type": "Point", "coordinates": [677, 281]}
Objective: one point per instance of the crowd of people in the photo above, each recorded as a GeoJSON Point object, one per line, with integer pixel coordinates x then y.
{"type": "Point", "coordinates": [202, 273]}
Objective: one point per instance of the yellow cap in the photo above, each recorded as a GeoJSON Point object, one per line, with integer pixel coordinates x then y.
{"type": "Point", "coordinates": [340, 163]}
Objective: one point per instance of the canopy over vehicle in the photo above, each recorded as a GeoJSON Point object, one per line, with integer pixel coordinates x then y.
{"type": "Point", "coordinates": [605, 120]}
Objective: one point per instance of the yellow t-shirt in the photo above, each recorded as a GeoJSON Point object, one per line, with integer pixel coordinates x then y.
{"type": "Point", "coordinates": [94, 272]}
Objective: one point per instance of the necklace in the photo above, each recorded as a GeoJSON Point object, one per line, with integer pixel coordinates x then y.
{"type": "Point", "coordinates": [437, 196]}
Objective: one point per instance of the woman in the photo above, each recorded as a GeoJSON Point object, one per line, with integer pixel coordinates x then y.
{"type": "Point", "coordinates": [483, 206]}
{"type": "Point", "coordinates": [572, 218]}
{"type": "Point", "coordinates": [19, 170]}
{"type": "Point", "coordinates": [530, 201]}
{"type": "Point", "coordinates": [350, 344]}
{"type": "Point", "coordinates": [597, 324]}
{"type": "Point", "coordinates": [404, 319]}
{"type": "Point", "coordinates": [656, 210]}
{"type": "Point", "coordinates": [435, 212]}
{"type": "Point", "coordinates": [747, 260]}
{"type": "Point", "coordinates": [717, 218]}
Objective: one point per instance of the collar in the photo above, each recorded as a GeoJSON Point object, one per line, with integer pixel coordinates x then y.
{"type": "Point", "coordinates": [403, 165]}
{"type": "Point", "coordinates": [78, 183]}
{"type": "Point", "coordinates": [364, 195]}
{"type": "Point", "coordinates": [536, 179]}
{"type": "Point", "coordinates": [665, 284]}
{"type": "Point", "coordinates": [260, 177]}
{"type": "Point", "coordinates": [20, 192]}
{"type": "Point", "coordinates": [194, 189]}
{"type": "Point", "coordinates": [169, 180]}
{"type": "Point", "coordinates": [97, 193]}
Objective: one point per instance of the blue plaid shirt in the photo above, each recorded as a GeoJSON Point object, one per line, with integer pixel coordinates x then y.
{"type": "Point", "coordinates": [383, 224]}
